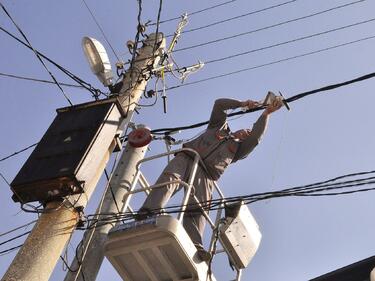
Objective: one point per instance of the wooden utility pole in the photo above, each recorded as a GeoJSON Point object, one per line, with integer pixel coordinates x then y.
{"type": "Point", "coordinates": [37, 258]}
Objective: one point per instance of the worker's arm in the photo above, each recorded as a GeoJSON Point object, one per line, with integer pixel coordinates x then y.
{"type": "Point", "coordinates": [218, 114]}
{"type": "Point", "coordinates": [257, 132]}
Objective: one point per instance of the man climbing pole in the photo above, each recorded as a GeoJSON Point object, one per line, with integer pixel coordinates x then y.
{"type": "Point", "coordinates": [218, 147]}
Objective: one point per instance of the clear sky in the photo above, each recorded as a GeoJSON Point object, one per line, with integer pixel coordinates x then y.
{"type": "Point", "coordinates": [325, 135]}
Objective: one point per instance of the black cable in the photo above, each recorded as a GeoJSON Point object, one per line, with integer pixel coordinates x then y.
{"type": "Point", "coordinates": [101, 30]}
{"type": "Point", "coordinates": [271, 63]}
{"type": "Point", "coordinates": [17, 152]}
{"type": "Point", "coordinates": [66, 264]}
{"type": "Point", "coordinates": [291, 99]}
{"type": "Point", "coordinates": [235, 17]}
{"type": "Point", "coordinates": [304, 190]}
{"type": "Point", "coordinates": [10, 249]}
{"type": "Point", "coordinates": [111, 189]}
{"type": "Point", "coordinates": [289, 41]}
{"type": "Point", "coordinates": [14, 238]}
{"type": "Point", "coordinates": [36, 53]}
{"type": "Point", "coordinates": [17, 228]}
{"type": "Point", "coordinates": [157, 26]}
{"type": "Point", "coordinates": [195, 12]}
{"type": "Point", "coordinates": [267, 27]}
{"type": "Point", "coordinates": [84, 84]}
{"type": "Point", "coordinates": [38, 80]}
{"type": "Point", "coordinates": [134, 53]}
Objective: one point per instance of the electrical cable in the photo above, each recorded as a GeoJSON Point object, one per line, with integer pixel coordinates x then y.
{"type": "Point", "coordinates": [36, 54]}
{"type": "Point", "coordinates": [291, 99]}
{"type": "Point", "coordinates": [304, 189]}
{"type": "Point", "coordinates": [289, 41]}
{"type": "Point", "coordinates": [8, 251]}
{"type": "Point", "coordinates": [95, 92]}
{"type": "Point", "coordinates": [235, 17]}
{"type": "Point", "coordinates": [18, 152]}
{"type": "Point", "coordinates": [111, 189]}
{"type": "Point", "coordinates": [101, 30]}
{"type": "Point", "coordinates": [134, 53]}
{"type": "Point", "coordinates": [81, 243]}
{"type": "Point", "coordinates": [270, 63]}
{"type": "Point", "coordinates": [14, 238]}
{"type": "Point", "coordinates": [38, 80]}
{"type": "Point", "coordinates": [216, 204]}
{"type": "Point", "coordinates": [196, 12]}
{"type": "Point", "coordinates": [268, 27]}
{"type": "Point", "coordinates": [17, 228]}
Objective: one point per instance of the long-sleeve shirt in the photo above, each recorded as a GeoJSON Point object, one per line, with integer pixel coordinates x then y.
{"type": "Point", "coordinates": [217, 147]}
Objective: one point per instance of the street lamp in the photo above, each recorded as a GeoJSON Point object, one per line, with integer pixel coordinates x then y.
{"type": "Point", "coordinates": [98, 60]}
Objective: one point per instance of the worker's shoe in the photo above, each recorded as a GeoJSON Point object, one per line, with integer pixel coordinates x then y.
{"type": "Point", "coordinates": [202, 253]}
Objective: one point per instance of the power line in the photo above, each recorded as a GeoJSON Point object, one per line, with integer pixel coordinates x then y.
{"type": "Point", "coordinates": [289, 41]}
{"type": "Point", "coordinates": [37, 55]}
{"type": "Point", "coordinates": [17, 228]}
{"type": "Point", "coordinates": [157, 25]}
{"type": "Point", "coordinates": [235, 17]}
{"type": "Point", "coordinates": [331, 187]}
{"type": "Point", "coordinates": [101, 30]}
{"type": "Point", "coordinates": [10, 250]}
{"type": "Point", "coordinates": [17, 152]}
{"type": "Point", "coordinates": [38, 80]}
{"type": "Point", "coordinates": [291, 99]}
{"type": "Point", "coordinates": [14, 238]}
{"type": "Point", "coordinates": [317, 187]}
{"type": "Point", "coordinates": [271, 63]}
{"type": "Point", "coordinates": [196, 12]}
{"type": "Point", "coordinates": [268, 27]}
{"type": "Point", "coordinates": [261, 29]}
{"type": "Point", "coordinates": [95, 92]}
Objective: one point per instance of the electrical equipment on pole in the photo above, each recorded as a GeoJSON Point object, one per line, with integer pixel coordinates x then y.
{"type": "Point", "coordinates": [78, 174]}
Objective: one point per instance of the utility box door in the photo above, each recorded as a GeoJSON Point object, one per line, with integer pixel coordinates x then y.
{"type": "Point", "coordinates": [240, 236]}
{"type": "Point", "coordinates": [52, 170]}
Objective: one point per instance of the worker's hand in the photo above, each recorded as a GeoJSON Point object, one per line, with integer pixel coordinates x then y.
{"type": "Point", "coordinates": [276, 104]}
{"type": "Point", "coordinates": [250, 104]}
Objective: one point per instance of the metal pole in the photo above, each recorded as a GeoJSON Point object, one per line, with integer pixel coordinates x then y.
{"type": "Point", "coordinates": [37, 258]}
{"type": "Point", "coordinates": [120, 183]}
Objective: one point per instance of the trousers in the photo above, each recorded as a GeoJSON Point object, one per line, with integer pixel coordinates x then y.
{"type": "Point", "coordinates": [179, 169]}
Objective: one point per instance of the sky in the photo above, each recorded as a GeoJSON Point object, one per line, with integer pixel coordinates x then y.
{"type": "Point", "coordinates": [324, 135]}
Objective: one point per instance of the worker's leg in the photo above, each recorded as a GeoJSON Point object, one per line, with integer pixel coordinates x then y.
{"type": "Point", "coordinates": [194, 221]}
{"type": "Point", "coordinates": [158, 197]}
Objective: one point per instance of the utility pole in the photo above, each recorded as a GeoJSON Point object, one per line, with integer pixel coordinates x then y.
{"type": "Point", "coordinates": [91, 257]}
{"type": "Point", "coordinates": [38, 256]}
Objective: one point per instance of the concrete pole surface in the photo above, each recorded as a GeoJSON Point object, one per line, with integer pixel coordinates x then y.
{"type": "Point", "coordinates": [133, 86]}
{"type": "Point", "coordinates": [45, 239]}
{"type": "Point", "coordinates": [37, 258]}
{"type": "Point", "coordinates": [92, 255]}
{"type": "Point", "coordinates": [39, 254]}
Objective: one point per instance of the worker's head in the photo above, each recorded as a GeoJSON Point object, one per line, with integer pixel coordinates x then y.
{"type": "Point", "coordinates": [242, 134]}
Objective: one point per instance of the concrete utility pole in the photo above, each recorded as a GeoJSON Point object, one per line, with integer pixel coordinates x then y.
{"type": "Point", "coordinates": [91, 258]}
{"type": "Point", "coordinates": [37, 258]}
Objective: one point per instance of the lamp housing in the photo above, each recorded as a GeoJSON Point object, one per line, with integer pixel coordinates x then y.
{"type": "Point", "coordinates": [98, 60]}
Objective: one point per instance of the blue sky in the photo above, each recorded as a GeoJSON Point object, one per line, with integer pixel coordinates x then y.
{"type": "Point", "coordinates": [325, 135]}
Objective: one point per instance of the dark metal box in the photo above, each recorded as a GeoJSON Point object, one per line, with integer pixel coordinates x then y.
{"type": "Point", "coordinates": [53, 169]}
